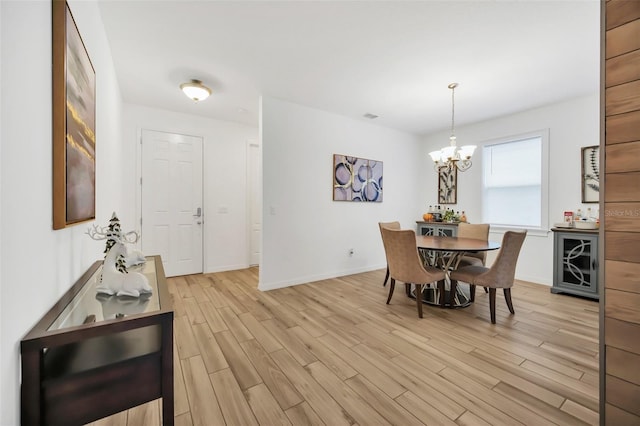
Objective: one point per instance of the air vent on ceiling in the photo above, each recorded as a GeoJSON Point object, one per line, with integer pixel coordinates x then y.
{"type": "Point", "coordinates": [370, 116]}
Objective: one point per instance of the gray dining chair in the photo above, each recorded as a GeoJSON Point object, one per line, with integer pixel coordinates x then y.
{"type": "Point", "coordinates": [501, 274]}
{"type": "Point", "coordinates": [405, 264]}
{"type": "Point", "coordinates": [388, 225]}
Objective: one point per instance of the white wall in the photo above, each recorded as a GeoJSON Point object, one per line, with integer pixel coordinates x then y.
{"type": "Point", "coordinates": [2, 356]}
{"type": "Point", "coordinates": [306, 235]}
{"type": "Point", "coordinates": [37, 263]}
{"type": "Point", "coordinates": [572, 125]}
{"type": "Point", "coordinates": [225, 178]}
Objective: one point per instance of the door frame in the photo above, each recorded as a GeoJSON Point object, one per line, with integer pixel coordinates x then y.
{"type": "Point", "coordinates": [252, 142]}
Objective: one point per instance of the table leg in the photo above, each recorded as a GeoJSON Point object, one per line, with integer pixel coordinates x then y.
{"type": "Point", "coordinates": [452, 293]}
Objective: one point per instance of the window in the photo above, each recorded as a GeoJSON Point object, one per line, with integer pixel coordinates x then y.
{"type": "Point", "coordinates": [514, 182]}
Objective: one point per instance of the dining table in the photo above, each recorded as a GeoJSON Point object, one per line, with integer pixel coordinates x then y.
{"type": "Point", "coordinates": [445, 253]}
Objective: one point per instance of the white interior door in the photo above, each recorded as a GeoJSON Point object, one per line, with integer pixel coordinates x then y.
{"type": "Point", "coordinates": [171, 199]}
{"type": "Point", "coordinates": [255, 201]}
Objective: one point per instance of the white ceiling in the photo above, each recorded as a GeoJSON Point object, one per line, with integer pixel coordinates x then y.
{"type": "Point", "coordinates": [390, 58]}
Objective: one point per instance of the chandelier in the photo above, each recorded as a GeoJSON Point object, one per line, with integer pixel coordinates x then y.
{"type": "Point", "coordinates": [451, 156]}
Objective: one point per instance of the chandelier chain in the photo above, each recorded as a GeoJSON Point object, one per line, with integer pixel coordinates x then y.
{"type": "Point", "coordinates": [452, 156]}
{"type": "Point", "coordinates": [453, 109]}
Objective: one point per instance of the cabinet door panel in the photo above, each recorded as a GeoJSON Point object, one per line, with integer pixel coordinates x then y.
{"type": "Point", "coordinates": [426, 230]}
{"type": "Point", "coordinates": [446, 231]}
{"type": "Point", "coordinates": [577, 260]}
{"type": "Point", "coordinates": [575, 264]}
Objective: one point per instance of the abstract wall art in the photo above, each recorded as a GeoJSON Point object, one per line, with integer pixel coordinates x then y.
{"type": "Point", "coordinates": [74, 118]}
{"type": "Point", "coordinates": [590, 174]}
{"type": "Point", "coordinates": [356, 179]}
{"type": "Point", "coordinates": [447, 185]}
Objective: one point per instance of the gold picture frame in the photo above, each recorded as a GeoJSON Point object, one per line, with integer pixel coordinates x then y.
{"type": "Point", "coordinates": [74, 106]}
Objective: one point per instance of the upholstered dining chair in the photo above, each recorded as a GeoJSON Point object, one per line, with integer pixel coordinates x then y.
{"type": "Point", "coordinates": [478, 231]}
{"type": "Point", "coordinates": [501, 274]}
{"type": "Point", "coordinates": [388, 225]}
{"type": "Point", "coordinates": [405, 264]}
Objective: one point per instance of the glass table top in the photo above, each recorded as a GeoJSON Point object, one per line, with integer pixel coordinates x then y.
{"type": "Point", "coordinates": [89, 306]}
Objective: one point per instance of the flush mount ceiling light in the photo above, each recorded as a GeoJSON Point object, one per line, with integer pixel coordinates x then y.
{"type": "Point", "coordinates": [451, 156]}
{"type": "Point", "coordinates": [195, 90]}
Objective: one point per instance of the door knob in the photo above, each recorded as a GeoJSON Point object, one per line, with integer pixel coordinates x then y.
{"type": "Point", "coordinates": [198, 212]}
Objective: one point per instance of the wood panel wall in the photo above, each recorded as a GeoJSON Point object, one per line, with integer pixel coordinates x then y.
{"type": "Point", "coordinates": [620, 197]}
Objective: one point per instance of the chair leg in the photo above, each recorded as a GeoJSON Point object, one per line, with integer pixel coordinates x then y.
{"type": "Point", "coordinates": [419, 299]}
{"type": "Point", "coordinates": [386, 277]}
{"type": "Point", "coordinates": [441, 291]}
{"type": "Point", "coordinates": [507, 297]}
{"type": "Point", "coordinates": [392, 287]}
{"type": "Point", "coordinates": [492, 304]}
{"type": "Point", "coordinates": [407, 289]}
{"type": "Point", "coordinates": [472, 292]}
{"type": "Point", "coordinates": [452, 294]}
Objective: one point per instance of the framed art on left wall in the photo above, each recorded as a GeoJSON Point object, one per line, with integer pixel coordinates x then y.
{"type": "Point", "coordinates": [356, 179]}
{"type": "Point", "coordinates": [74, 118]}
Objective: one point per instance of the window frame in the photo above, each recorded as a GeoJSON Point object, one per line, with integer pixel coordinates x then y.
{"type": "Point", "coordinates": [543, 134]}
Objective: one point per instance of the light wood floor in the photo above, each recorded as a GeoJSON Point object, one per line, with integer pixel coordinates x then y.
{"type": "Point", "coordinates": [333, 353]}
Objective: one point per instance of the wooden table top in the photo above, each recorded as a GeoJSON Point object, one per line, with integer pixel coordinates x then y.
{"type": "Point", "coordinates": [454, 244]}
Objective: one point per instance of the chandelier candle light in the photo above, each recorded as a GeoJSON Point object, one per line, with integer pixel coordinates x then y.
{"type": "Point", "coordinates": [451, 156]}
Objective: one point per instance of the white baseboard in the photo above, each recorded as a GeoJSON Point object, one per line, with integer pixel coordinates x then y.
{"type": "Point", "coordinates": [318, 277]}
{"type": "Point", "coordinates": [225, 268]}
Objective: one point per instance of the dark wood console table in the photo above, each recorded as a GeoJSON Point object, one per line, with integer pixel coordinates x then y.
{"type": "Point", "coordinates": [92, 356]}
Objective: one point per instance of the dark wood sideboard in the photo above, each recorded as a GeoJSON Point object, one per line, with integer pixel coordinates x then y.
{"type": "Point", "coordinates": [92, 356]}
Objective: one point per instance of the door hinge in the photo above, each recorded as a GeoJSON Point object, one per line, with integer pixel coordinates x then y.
{"type": "Point", "coordinates": [140, 181]}
{"type": "Point", "coordinates": [140, 221]}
